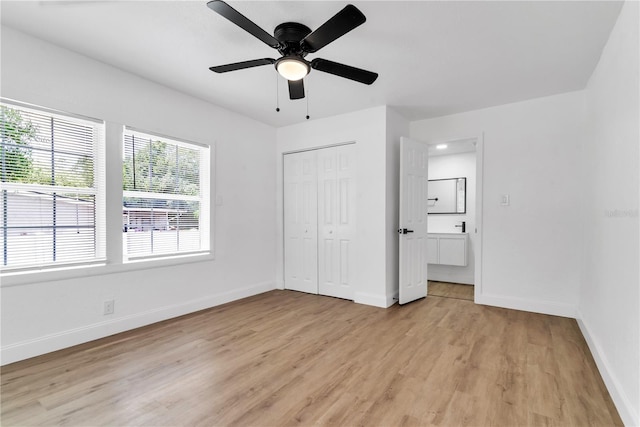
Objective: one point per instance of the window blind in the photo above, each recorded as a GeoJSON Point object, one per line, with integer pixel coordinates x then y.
{"type": "Point", "coordinates": [165, 196]}
{"type": "Point", "coordinates": [52, 198]}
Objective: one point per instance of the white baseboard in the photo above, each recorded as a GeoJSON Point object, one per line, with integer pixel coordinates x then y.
{"type": "Point", "coordinates": [620, 398]}
{"type": "Point", "coordinates": [373, 299]}
{"type": "Point", "coordinates": [543, 307]}
{"type": "Point", "coordinates": [52, 342]}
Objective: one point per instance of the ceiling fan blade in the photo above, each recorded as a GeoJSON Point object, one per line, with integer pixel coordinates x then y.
{"type": "Point", "coordinates": [346, 71]}
{"type": "Point", "coordinates": [242, 65]}
{"type": "Point", "coordinates": [340, 24]}
{"type": "Point", "coordinates": [243, 22]}
{"type": "Point", "coordinates": [296, 89]}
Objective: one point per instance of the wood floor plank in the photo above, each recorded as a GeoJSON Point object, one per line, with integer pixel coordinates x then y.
{"type": "Point", "coordinates": [285, 358]}
{"type": "Point", "coordinates": [451, 290]}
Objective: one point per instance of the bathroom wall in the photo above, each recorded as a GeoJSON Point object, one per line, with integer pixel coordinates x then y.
{"type": "Point", "coordinates": [461, 165]}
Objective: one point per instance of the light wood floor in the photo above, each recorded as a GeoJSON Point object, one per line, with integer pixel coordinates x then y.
{"type": "Point", "coordinates": [451, 290]}
{"type": "Point", "coordinates": [286, 358]}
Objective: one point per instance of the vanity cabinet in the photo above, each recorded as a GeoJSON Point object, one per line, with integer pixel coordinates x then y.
{"type": "Point", "coordinates": [447, 248]}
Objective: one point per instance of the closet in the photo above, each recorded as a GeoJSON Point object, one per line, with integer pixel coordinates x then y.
{"type": "Point", "coordinates": [319, 221]}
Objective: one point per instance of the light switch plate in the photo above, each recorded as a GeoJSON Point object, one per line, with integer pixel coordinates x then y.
{"type": "Point", "coordinates": [505, 200]}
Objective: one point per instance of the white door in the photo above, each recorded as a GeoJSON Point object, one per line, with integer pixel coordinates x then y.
{"type": "Point", "coordinates": [412, 233]}
{"type": "Point", "coordinates": [336, 221]}
{"type": "Point", "coordinates": [301, 222]}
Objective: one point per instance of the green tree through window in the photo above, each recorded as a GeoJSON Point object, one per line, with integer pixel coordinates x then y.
{"type": "Point", "coordinates": [163, 199]}
{"type": "Point", "coordinates": [16, 156]}
{"type": "Point", "coordinates": [22, 140]}
{"type": "Point", "coordinates": [158, 167]}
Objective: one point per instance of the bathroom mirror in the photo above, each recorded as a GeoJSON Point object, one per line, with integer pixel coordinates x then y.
{"type": "Point", "coordinates": [447, 196]}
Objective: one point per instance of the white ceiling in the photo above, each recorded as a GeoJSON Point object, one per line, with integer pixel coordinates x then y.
{"type": "Point", "coordinates": [434, 58]}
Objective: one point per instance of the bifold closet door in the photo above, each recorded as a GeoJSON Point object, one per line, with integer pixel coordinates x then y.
{"type": "Point", "coordinates": [301, 222]}
{"type": "Point", "coordinates": [336, 221]}
{"type": "Point", "coordinates": [319, 221]}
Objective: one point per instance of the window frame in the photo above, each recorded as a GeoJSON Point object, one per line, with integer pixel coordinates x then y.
{"type": "Point", "coordinates": [114, 263]}
{"type": "Point", "coordinates": [98, 189]}
{"type": "Point", "coordinates": [205, 197]}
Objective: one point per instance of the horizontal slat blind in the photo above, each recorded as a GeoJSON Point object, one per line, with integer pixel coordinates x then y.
{"type": "Point", "coordinates": [165, 197]}
{"type": "Point", "coordinates": [52, 189]}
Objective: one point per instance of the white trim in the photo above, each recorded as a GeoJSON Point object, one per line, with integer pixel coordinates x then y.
{"type": "Point", "coordinates": [48, 343]}
{"type": "Point", "coordinates": [160, 196]}
{"type": "Point", "coordinates": [65, 273]}
{"type": "Point", "coordinates": [41, 188]}
{"type": "Point", "coordinates": [139, 133]}
{"type": "Point", "coordinates": [477, 279]}
{"type": "Point", "coordinates": [534, 306]}
{"type": "Point", "coordinates": [52, 111]}
{"type": "Point", "coordinates": [383, 301]}
{"type": "Point", "coordinates": [320, 147]}
{"type": "Point", "coordinates": [170, 255]}
{"type": "Point", "coordinates": [113, 192]}
{"type": "Point", "coordinates": [620, 398]}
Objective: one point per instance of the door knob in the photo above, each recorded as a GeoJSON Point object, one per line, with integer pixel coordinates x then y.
{"type": "Point", "coordinates": [404, 231]}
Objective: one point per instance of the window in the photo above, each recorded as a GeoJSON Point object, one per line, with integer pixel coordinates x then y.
{"type": "Point", "coordinates": [165, 196]}
{"type": "Point", "coordinates": [52, 197]}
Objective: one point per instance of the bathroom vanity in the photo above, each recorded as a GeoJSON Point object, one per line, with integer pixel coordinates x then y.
{"type": "Point", "coordinates": [447, 248]}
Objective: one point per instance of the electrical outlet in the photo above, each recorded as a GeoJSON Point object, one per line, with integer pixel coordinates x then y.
{"type": "Point", "coordinates": [109, 307]}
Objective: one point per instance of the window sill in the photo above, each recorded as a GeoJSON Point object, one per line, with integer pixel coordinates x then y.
{"type": "Point", "coordinates": [100, 269]}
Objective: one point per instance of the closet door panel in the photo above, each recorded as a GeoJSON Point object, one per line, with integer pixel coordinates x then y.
{"type": "Point", "coordinates": [327, 168]}
{"type": "Point", "coordinates": [300, 222]}
{"type": "Point", "coordinates": [336, 195]}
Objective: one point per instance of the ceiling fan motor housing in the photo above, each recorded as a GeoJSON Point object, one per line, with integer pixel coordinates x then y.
{"type": "Point", "coordinates": [290, 34]}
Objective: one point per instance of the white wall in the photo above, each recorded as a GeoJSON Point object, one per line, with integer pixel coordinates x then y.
{"type": "Point", "coordinates": [367, 128]}
{"type": "Point", "coordinates": [610, 293]}
{"type": "Point", "coordinates": [461, 165]}
{"type": "Point", "coordinates": [45, 315]}
{"type": "Point", "coordinates": [533, 152]}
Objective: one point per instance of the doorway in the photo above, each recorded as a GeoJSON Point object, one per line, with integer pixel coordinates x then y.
{"type": "Point", "coordinates": [451, 290]}
{"type": "Point", "coordinates": [452, 160]}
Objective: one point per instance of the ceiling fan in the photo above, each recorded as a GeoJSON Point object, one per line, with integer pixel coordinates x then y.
{"type": "Point", "coordinates": [294, 41]}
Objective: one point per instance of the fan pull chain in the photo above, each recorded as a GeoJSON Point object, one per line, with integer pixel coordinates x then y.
{"type": "Point", "coordinates": [277, 93]}
{"type": "Point", "coordinates": [307, 99]}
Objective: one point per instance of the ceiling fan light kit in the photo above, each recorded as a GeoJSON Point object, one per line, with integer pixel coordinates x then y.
{"type": "Point", "coordinates": [294, 41]}
{"type": "Point", "coordinates": [292, 68]}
